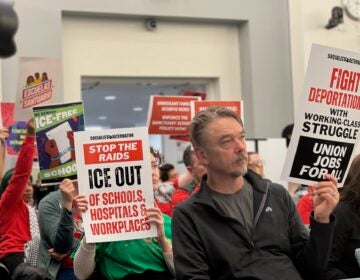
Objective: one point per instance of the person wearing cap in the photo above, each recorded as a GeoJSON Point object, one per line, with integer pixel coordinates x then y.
{"type": "Point", "coordinates": [241, 226]}
{"type": "Point", "coordinates": [16, 192]}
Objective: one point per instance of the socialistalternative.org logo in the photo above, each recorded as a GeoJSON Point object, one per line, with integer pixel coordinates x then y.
{"type": "Point", "coordinates": [38, 89]}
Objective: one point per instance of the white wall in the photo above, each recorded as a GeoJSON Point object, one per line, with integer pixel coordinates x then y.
{"type": "Point", "coordinates": [116, 47]}
{"type": "Point", "coordinates": [307, 26]}
{"type": "Point", "coordinates": [125, 48]}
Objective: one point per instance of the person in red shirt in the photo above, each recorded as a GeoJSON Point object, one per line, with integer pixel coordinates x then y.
{"type": "Point", "coordinates": [168, 172]}
{"type": "Point", "coordinates": [16, 192]}
{"type": "Point", "coordinates": [196, 169]}
{"type": "Point", "coordinates": [163, 191]}
{"type": "Point", "coordinates": [305, 206]}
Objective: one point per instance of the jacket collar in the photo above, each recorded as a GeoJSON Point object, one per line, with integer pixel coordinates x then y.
{"type": "Point", "coordinates": [258, 184]}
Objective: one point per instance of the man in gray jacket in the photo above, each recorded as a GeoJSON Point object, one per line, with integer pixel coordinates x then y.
{"type": "Point", "coordinates": [240, 226]}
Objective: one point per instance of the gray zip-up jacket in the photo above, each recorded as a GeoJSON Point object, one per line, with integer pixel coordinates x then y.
{"type": "Point", "coordinates": [207, 244]}
{"type": "Point", "coordinates": [56, 231]}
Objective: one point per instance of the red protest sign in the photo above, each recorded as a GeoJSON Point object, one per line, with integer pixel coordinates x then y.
{"type": "Point", "coordinates": [170, 115]}
{"type": "Point", "coordinates": [203, 105]}
{"type": "Point", "coordinates": [117, 151]}
{"type": "Point", "coordinates": [235, 106]}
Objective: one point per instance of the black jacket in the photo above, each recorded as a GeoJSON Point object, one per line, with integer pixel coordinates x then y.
{"type": "Point", "coordinates": [342, 263]}
{"type": "Point", "coordinates": [209, 245]}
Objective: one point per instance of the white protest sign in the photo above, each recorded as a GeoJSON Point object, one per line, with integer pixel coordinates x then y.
{"type": "Point", "coordinates": [38, 82]}
{"type": "Point", "coordinates": [114, 173]}
{"type": "Point", "coordinates": [326, 131]}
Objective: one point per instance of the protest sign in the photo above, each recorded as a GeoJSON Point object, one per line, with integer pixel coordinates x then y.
{"type": "Point", "coordinates": [170, 115]}
{"type": "Point", "coordinates": [54, 127]}
{"type": "Point", "coordinates": [114, 173]}
{"type": "Point", "coordinates": [38, 82]}
{"type": "Point", "coordinates": [236, 106]}
{"type": "Point", "coordinates": [326, 130]}
{"type": "Point", "coordinates": [17, 129]}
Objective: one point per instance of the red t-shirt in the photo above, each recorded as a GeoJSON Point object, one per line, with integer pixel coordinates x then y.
{"type": "Point", "coordinates": [182, 194]}
{"type": "Point", "coordinates": [305, 206]}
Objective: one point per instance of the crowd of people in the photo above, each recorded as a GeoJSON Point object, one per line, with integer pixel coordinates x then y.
{"type": "Point", "coordinates": [220, 219]}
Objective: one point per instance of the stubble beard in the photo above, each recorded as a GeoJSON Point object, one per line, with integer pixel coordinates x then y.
{"type": "Point", "coordinates": [243, 161]}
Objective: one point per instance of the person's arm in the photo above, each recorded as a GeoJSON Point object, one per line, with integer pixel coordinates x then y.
{"type": "Point", "coordinates": [153, 214]}
{"type": "Point", "coordinates": [341, 235]}
{"type": "Point", "coordinates": [189, 257]}
{"type": "Point", "coordinates": [56, 219]}
{"type": "Point", "coordinates": [4, 133]}
{"type": "Point", "coordinates": [84, 261]}
{"type": "Point", "coordinates": [21, 175]}
{"type": "Point", "coordinates": [310, 254]}
{"type": "Point", "coordinates": [185, 179]}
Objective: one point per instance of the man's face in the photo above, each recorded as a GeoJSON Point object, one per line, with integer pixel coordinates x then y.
{"type": "Point", "coordinates": [223, 150]}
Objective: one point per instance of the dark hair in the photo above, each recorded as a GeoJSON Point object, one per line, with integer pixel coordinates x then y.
{"type": "Point", "coordinates": [25, 271]}
{"type": "Point", "coordinates": [5, 180]}
{"type": "Point", "coordinates": [157, 155]}
{"type": "Point", "coordinates": [164, 169]}
{"type": "Point", "coordinates": [187, 159]}
{"type": "Point", "coordinates": [286, 132]}
{"type": "Point", "coordinates": [202, 119]}
{"type": "Point", "coordinates": [351, 190]}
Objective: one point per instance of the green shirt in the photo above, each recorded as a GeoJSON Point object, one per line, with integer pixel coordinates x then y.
{"type": "Point", "coordinates": [121, 258]}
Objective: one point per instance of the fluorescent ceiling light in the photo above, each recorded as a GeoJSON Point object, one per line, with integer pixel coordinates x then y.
{"type": "Point", "coordinates": [110, 97]}
{"type": "Point", "coordinates": [137, 109]}
{"type": "Point", "coordinates": [102, 118]}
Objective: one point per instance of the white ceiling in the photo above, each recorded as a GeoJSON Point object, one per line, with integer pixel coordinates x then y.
{"type": "Point", "coordinates": [129, 93]}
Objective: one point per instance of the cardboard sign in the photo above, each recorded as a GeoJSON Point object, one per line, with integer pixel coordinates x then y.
{"type": "Point", "coordinates": [114, 172]}
{"type": "Point", "coordinates": [37, 84]}
{"type": "Point", "coordinates": [326, 130]}
{"type": "Point", "coordinates": [170, 115]}
{"type": "Point", "coordinates": [54, 127]}
{"type": "Point", "coordinates": [236, 106]}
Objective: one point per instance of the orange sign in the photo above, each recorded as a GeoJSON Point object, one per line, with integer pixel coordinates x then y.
{"type": "Point", "coordinates": [170, 115]}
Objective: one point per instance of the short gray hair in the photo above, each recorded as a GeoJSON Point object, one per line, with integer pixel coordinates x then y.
{"type": "Point", "coordinates": [202, 119]}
